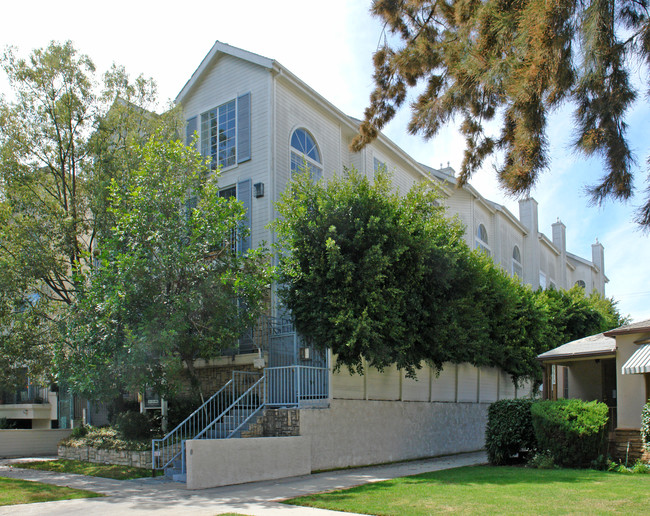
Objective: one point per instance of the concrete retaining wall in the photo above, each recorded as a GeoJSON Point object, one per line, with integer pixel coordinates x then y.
{"type": "Point", "coordinates": [138, 459]}
{"type": "Point", "coordinates": [30, 443]}
{"type": "Point", "coordinates": [221, 462]}
{"type": "Point", "coordinates": [356, 432]}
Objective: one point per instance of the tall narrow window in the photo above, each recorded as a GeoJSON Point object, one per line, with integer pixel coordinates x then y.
{"type": "Point", "coordinates": [219, 135]}
{"type": "Point", "coordinates": [379, 166]}
{"type": "Point", "coordinates": [304, 153]}
{"type": "Point", "coordinates": [228, 193]}
{"type": "Point", "coordinates": [482, 239]}
{"type": "Point", "coordinates": [542, 280]}
{"type": "Point", "coordinates": [517, 267]}
{"type": "Point", "coordinates": [226, 132]}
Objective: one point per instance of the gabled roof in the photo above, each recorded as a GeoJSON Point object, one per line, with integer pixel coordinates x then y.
{"type": "Point", "coordinates": [592, 346]}
{"type": "Point", "coordinates": [217, 49]}
{"type": "Point", "coordinates": [638, 327]}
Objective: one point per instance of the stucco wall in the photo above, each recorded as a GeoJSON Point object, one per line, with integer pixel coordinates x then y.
{"type": "Point", "coordinates": [631, 387]}
{"type": "Point", "coordinates": [30, 443]}
{"type": "Point", "coordinates": [585, 380]}
{"type": "Point", "coordinates": [357, 432]}
{"type": "Point", "coordinates": [221, 462]}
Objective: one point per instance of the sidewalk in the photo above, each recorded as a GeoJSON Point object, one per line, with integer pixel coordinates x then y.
{"type": "Point", "coordinates": [159, 495]}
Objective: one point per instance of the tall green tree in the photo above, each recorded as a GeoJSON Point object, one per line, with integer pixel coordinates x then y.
{"type": "Point", "coordinates": [62, 139]}
{"type": "Point", "coordinates": [389, 280]}
{"type": "Point", "coordinates": [515, 62]}
{"type": "Point", "coordinates": [169, 288]}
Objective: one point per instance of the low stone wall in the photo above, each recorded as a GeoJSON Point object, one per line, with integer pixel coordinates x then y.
{"type": "Point", "coordinates": [138, 459]}
{"type": "Point", "coordinates": [275, 423]}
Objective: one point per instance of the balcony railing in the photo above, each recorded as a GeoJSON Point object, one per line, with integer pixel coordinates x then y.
{"type": "Point", "coordinates": [32, 395]}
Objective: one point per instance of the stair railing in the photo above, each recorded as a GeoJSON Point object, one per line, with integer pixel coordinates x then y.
{"type": "Point", "coordinates": [234, 417]}
{"type": "Point", "coordinates": [164, 451]}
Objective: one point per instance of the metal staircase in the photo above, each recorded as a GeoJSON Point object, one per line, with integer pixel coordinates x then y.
{"type": "Point", "coordinates": [225, 414]}
{"type": "Point", "coordinates": [237, 404]}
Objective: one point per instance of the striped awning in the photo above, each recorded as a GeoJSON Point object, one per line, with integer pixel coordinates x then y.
{"type": "Point", "coordinates": [639, 362]}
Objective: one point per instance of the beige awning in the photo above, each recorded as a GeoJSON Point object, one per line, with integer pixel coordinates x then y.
{"type": "Point", "coordinates": [639, 362]}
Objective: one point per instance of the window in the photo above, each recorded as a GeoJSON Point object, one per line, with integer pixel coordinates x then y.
{"type": "Point", "coordinates": [482, 239]}
{"type": "Point", "coordinates": [225, 132]}
{"type": "Point", "coordinates": [304, 153]}
{"type": "Point", "coordinates": [240, 238]}
{"type": "Point", "coordinates": [517, 268]}
{"type": "Point", "coordinates": [228, 193]}
{"type": "Point", "coordinates": [581, 283]}
{"type": "Point", "coordinates": [379, 166]}
{"type": "Point", "coordinates": [542, 280]}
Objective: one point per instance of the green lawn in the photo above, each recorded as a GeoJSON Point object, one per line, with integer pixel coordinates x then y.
{"type": "Point", "coordinates": [13, 491]}
{"type": "Point", "coordinates": [87, 468]}
{"type": "Point", "coordinates": [494, 490]}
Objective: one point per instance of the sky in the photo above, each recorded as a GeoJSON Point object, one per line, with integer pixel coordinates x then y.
{"type": "Point", "coordinates": [329, 45]}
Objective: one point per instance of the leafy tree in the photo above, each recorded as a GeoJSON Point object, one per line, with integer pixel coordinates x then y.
{"type": "Point", "coordinates": [389, 279]}
{"type": "Point", "coordinates": [61, 143]}
{"type": "Point", "coordinates": [515, 62]}
{"type": "Point", "coordinates": [169, 289]}
{"type": "Point", "coordinates": [357, 269]}
{"type": "Point", "coordinates": [574, 315]}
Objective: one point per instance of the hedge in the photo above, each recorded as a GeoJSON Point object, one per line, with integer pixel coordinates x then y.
{"type": "Point", "coordinates": [574, 432]}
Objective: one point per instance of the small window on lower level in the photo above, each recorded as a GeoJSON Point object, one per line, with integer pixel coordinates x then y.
{"type": "Point", "coordinates": [580, 283]}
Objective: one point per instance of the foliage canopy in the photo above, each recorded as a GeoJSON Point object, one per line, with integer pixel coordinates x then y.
{"type": "Point", "coordinates": [388, 279]}
{"type": "Point", "coordinates": [515, 62]}
{"type": "Point", "coordinates": [168, 288]}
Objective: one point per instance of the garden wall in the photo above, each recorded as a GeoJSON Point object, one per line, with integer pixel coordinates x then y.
{"type": "Point", "coordinates": [138, 459]}
{"type": "Point", "coordinates": [356, 433]}
{"type": "Point", "coordinates": [30, 443]}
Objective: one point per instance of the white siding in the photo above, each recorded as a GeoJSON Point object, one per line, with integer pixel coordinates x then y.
{"type": "Point", "coordinates": [224, 81]}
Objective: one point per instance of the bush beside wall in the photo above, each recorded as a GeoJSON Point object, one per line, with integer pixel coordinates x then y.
{"type": "Point", "coordinates": [509, 430]}
{"type": "Point", "coordinates": [645, 426]}
{"type": "Point", "coordinates": [573, 431]}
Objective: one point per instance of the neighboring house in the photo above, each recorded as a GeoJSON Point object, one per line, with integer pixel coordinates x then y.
{"type": "Point", "coordinates": [611, 367]}
{"type": "Point", "coordinates": [259, 123]}
{"type": "Point", "coordinates": [32, 407]}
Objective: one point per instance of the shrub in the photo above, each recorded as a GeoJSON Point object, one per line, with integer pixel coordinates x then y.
{"type": "Point", "coordinates": [509, 430]}
{"type": "Point", "coordinates": [105, 438]}
{"type": "Point", "coordinates": [574, 432]}
{"type": "Point", "coordinates": [133, 425]}
{"type": "Point", "coordinates": [80, 431]}
{"type": "Point", "coordinates": [541, 460]}
{"type": "Point", "coordinates": [645, 426]}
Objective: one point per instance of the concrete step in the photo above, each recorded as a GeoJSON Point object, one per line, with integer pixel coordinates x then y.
{"type": "Point", "coordinates": [179, 477]}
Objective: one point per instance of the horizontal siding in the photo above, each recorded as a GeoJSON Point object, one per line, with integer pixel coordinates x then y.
{"type": "Point", "coordinates": [455, 383]}
{"type": "Point", "coordinates": [224, 81]}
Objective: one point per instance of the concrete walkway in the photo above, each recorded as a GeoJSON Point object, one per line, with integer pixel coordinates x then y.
{"type": "Point", "coordinates": [163, 497]}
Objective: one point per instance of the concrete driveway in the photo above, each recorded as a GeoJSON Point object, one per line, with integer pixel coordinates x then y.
{"type": "Point", "coordinates": [164, 497]}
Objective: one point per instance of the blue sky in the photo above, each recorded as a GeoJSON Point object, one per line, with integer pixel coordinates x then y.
{"type": "Point", "coordinates": [329, 45]}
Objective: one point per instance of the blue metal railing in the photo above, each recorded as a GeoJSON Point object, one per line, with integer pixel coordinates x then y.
{"type": "Point", "coordinates": [288, 386]}
{"type": "Point", "coordinates": [228, 423]}
{"type": "Point", "coordinates": [226, 413]}
{"type": "Point", "coordinates": [164, 451]}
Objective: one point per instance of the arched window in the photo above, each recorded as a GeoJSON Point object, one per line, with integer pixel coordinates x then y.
{"type": "Point", "coordinates": [482, 239]}
{"type": "Point", "coordinates": [517, 267]}
{"type": "Point", "coordinates": [581, 283]}
{"type": "Point", "coordinates": [304, 153]}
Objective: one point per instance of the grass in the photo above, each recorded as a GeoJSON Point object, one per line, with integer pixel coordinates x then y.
{"type": "Point", "coordinates": [493, 490]}
{"type": "Point", "coordinates": [88, 468]}
{"type": "Point", "coordinates": [13, 491]}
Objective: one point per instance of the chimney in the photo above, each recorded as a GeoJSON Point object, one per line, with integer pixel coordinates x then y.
{"type": "Point", "coordinates": [598, 256]}
{"type": "Point", "coordinates": [528, 215]}
{"type": "Point", "coordinates": [559, 236]}
{"type": "Point", "coordinates": [559, 241]}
